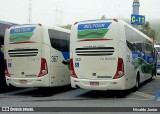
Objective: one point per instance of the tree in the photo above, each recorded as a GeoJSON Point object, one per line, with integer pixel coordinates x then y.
{"type": "Point", "coordinates": [103, 17]}
{"type": "Point", "coordinates": [68, 26]}
{"type": "Point", "coordinates": [153, 34]}
{"type": "Point", "coordinates": [146, 29]}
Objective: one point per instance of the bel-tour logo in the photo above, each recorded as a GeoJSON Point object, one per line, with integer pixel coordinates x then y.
{"type": "Point", "coordinates": [22, 30]}
{"type": "Point", "coordinates": [96, 25]}
{"type": "Point", "coordinates": [89, 26]}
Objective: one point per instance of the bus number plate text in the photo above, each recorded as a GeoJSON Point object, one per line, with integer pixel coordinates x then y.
{"type": "Point", "coordinates": [23, 81]}
{"type": "Point", "coordinates": [94, 83]}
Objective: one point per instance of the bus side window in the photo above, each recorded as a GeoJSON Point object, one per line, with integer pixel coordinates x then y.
{"type": "Point", "coordinates": [149, 49]}
{"type": "Point", "coordinates": [139, 47]}
{"type": "Point", "coordinates": [58, 40]}
{"type": "Point", "coordinates": [143, 47]}
{"type": "Point", "coordinates": [134, 46]}
{"type": "Point", "coordinates": [68, 41]}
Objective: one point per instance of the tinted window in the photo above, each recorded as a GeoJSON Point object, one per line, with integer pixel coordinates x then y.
{"type": "Point", "coordinates": [149, 47]}
{"type": "Point", "coordinates": [138, 46]}
{"type": "Point", "coordinates": [59, 40]}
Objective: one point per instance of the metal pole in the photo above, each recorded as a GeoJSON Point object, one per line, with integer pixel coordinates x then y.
{"type": "Point", "coordinates": [135, 6]}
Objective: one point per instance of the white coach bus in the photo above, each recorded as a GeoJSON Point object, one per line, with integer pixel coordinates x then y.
{"type": "Point", "coordinates": [37, 56]}
{"type": "Point", "coordinates": [109, 55]}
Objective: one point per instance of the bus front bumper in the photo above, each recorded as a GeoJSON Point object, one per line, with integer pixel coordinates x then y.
{"type": "Point", "coordinates": [113, 84]}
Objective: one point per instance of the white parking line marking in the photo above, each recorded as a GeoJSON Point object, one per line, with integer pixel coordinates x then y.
{"type": "Point", "coordinates": [145, 95]}
{"type": "Point", "coordinates": [139, 99]}
{"type": "Point", "coordinates": [78, 92]}
{"type": "Point", "coordinates": [19, 91]}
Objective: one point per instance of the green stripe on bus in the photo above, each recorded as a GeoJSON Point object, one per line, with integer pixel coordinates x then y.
{"type": "Point", "coordinates": [20, 37]}
{"type": "Point", "coordinates": [97, 33]}
{"type": "Point", "coordinates": [140, 63]}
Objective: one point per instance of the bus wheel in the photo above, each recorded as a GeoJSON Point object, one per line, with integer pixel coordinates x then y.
{"type": "Point", "coordinates": [137, 83]}
{"type": "Point", "coordinates": [152, 74]}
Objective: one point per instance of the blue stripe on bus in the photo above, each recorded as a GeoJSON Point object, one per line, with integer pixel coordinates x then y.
{"type": "Point", "coordinates": [90, 26]}
{"type": "Point", "coordinates": [22, 30]}
{"type": "Point", "coordinates": [65, 55]}
{"type": "Point", "coordinates": [147, 57]}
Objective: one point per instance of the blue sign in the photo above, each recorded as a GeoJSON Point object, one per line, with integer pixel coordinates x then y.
{"type": "Point", "coordinates": [22, 30]}
{"type": "Point", "coordinates": [137, 19]}
{"type": "Point", "coordinates": [9, 65]}
{"type": "Point", "coordinates": [76, 64]}
{"type": "Point", "coordinates": [90, 26]}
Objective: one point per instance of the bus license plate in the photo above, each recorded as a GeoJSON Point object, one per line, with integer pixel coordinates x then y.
{"type": "Point", "coordinates": [22, 81]}
{"type": "Point", "coordinates": [94, 83]}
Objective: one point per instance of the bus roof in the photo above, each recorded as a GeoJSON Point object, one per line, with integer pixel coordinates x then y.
{"type": "Point", "coordinates": [98, 20]}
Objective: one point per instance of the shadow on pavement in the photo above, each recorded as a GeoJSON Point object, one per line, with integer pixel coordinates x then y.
{"type": "Point", "coordinates": [106, 94]}
{"type": "Point", "coordinates": [6, 89]}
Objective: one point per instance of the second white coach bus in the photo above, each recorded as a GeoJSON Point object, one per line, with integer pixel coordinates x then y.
{"type": "Point", "coordinates": [37, 56]}
{"type": "Point", "coordinates": [109, 55]}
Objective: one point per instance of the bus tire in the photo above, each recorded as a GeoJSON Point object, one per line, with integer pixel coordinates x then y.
{"type": "Point", "coordinates": [137, 82]}
{"type": "Point", "coordinates": [152, 74]}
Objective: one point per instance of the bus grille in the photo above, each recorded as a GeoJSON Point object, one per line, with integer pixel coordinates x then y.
{"type": "Point", "coordinates": [23, 52]}
{"type": "Point", "coordinates": [96, 51]}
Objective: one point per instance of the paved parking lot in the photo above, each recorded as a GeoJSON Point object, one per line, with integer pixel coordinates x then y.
{"type": "Point", "coordinates": [69, 97]}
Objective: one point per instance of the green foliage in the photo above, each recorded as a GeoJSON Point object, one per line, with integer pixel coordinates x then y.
{"type": "Point", "coordinates": [103, 17]}
{"type": "Point", "coordinates": [153, 33]}
{"type": "Point", "coordinates": [66, 26]}
{"type": "Point", "coordinates": [146, 29]}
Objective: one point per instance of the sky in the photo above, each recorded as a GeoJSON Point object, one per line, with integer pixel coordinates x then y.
{"type": "Point", "coordinates": [47, 12]}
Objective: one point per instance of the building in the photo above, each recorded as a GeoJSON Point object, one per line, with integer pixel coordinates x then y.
{"type": "Point", "coordinates": [3, 26]}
